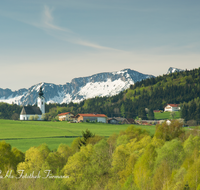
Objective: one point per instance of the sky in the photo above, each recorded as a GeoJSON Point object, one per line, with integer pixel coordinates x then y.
{"type": "Point", "coordinates": [55, 41]}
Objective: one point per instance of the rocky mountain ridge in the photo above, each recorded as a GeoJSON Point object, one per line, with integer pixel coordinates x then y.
{"type": "Point", "coordinates": [173, 70]}
{"type": "Point", "coordinates": [101, 84]}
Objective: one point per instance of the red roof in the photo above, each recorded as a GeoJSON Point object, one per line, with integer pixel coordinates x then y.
{"type": "Point", "coordinates": [156, 110]}
{"type": "Point", "coordinates": [173, 105]}
{"type": "Point", "coordinates": [91, 115]}
{"type": "Point", "coordinates": [66, 113]}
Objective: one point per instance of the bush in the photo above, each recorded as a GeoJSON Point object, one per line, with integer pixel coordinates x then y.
{"type": "Point", "coordinates": [15, 116]}
{"type": "Point", "coordinates": [36, 117]}
{"type": "Point", "coordinates": [192, 123]}
{"type": "Point", "coordinates": [31, 117]}
{"type": "Point", "coordinates": [168, 132]}
{"type": "Point", "coordinates": [87, 120]}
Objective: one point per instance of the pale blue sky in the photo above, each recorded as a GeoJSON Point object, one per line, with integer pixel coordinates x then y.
{"type": "Point", "coordinates": [56, 41]}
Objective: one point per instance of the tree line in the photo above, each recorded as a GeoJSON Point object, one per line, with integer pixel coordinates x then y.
{"type": "Point", "coordinates": [191, 110]}
{"type": "Point", "coordinates": [9, 111]}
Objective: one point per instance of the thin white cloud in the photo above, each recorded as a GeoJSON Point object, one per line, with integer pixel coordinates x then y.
{"type": "Point", "coordinates": [48, 24]}
{"type": "Point", "coordinates": [96, 46]}
{"type": "Point", "coordinates": [48, 20]}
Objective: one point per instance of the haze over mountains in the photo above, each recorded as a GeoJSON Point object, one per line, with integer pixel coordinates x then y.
{"type": "Point", "coordinates": [101, 84]}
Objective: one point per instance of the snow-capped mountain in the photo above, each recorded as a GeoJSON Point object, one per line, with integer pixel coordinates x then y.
{"type": "Point", "coordinates": [101, 84]}
{"type": "Point", "coordinates": [173, 70]}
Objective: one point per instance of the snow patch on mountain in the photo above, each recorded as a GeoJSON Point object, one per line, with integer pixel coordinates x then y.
{"type": "Point", "coordinates": [58, 98]}
{"type": "Point", "coordinates": [173, 70]}
{"type": "Point", "coordinates": [108, 88]}
{"type": "Point", "coordinates": [11, 99]}
{"type": "Point", "coordinates": [67, 98]}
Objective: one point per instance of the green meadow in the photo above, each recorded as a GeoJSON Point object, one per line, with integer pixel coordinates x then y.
{"type": "Point", "coordinates": [25, 134]}
{"type": "Point", "coordinates": [166, 115]}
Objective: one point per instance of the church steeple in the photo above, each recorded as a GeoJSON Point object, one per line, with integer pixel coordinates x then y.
{"type": "Point", "coordinates": [41, 101]}
{"type": "Point", "coordinates": [40, 92]}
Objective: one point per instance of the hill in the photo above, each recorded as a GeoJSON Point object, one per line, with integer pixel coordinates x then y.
{"type": "Point", "coordinates": [152, 93]}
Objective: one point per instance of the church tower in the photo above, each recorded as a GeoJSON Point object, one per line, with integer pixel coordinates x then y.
{"type": "Point", "coordinates": [41, 101]}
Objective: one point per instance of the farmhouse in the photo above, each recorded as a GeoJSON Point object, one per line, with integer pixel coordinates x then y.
{"type": "Point", "coordinates": [28, 111]}
{"type": "Point", "coordinates": [74, 119]}
{"type": "Point", "coordinates": [120, 120]}
{"type": "Point", "coordinates": [91, 117]}
{"type": "Point", "coordinates": [172, 107]}
{"type": "Point", "coordinates": [65, 116]}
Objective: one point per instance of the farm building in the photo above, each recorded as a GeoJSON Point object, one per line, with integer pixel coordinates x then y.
{"type": "Point", "coordinates": [65, 116]}
{"type": "Point", "coordinates": [172, 107]}
{"type": "Point", "coordinates": [120, 120]}
{"type": "Point", "coordinates": [91, 117]}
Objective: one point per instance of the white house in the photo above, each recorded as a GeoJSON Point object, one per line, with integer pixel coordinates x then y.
{"type": "Point", "coordinates": [172, 107]}
{"type": "Point", "coordinates": [28, 111]}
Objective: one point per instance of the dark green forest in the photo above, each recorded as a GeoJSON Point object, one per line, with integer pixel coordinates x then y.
{"type": "Point", "coordinates": [9, 111]}
{"type": "Point", "coordinates": [153, 93]}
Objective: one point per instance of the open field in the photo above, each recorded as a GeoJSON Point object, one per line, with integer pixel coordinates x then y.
{"type": "Point", "coordinates": [25, 144]}
{"type": "Point", "coordinates": [166, 115]}
{"type": "Point", "coordinates": [25, 134]}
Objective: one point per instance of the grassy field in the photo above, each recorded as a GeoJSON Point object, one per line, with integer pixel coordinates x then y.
{"type": "Point", "coordinates": [166, 115]}
{"type": "Point", "coordinates": [25, 134]}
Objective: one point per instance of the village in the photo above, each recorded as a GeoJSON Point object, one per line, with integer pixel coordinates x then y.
{"type": "Point", "coordinates": [94, 117]}
{"type": "Point", "coordinates": [29, 112]}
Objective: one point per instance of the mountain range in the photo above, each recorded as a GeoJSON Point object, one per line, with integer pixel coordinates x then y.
{"type": "Point", "coordinates": [101, 84]}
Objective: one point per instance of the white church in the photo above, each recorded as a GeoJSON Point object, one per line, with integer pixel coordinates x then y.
{"type": "Point", "coordinates": [28, 111]}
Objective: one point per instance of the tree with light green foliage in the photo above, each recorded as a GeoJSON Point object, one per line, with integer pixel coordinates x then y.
{"type": "Point", "coordinates": [143, 169]}
{"type": "Point", "coordinates": [34, 159]}
{"type": "Point", "coordinates": [193, 174]}
{"type": "Point", "coordinates": [191, 143]}
{"type": "Point", "coordinates": [44, 117]}
{"type": "Point", "coordinates": [121, 155]}
{"type": "Point", "coordinates": [6, 157]}
{"type": "Point", "coordinates": [18, 157]}
{"type": "Point", "coordinates": [97, 172]}
{"type": "Point", "coordinates": [31, 118]}
{"type": "Point", "coordinates": [36, 117]}
{"type": "Point", "coordinates": [172, 152]}
{"type": "Point", "coordinates": [122, 139]}
{"type": "Point", "coordinates": [77, 166]}
{"type": "Point", "coordinates": [161, 176]}
{"type": "Point", "coordinates": [53, 162]}
{"type": "Point", "coordinates": [170, 131]}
